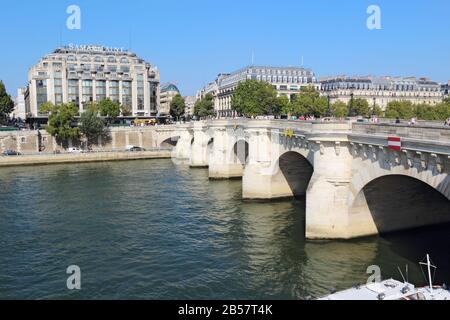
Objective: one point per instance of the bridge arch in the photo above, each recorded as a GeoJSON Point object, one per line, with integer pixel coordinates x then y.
{"type": "Point", "coordinates": [170, 142]}
{"type": "Point", "coordinates": [293, 174]}
{"type": "Point", "coordinates": [385, 202]}
{"type": "Point", "coordinates": [240, 152]}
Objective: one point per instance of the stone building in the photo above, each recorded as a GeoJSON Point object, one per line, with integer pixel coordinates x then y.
{"type": "Point", "coordinates": [168, 92]}
{"type": "Point", "coordinates": [286, 80]}
{"type": "Point", "coordinates": [381, 90]}
{"type": "Point", "coordinates": [82, 74]}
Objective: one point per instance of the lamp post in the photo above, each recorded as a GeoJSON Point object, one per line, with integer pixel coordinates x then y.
{"type": "Point", "coordinates": [329, 106]}
{"type": "Point", "coordinates": [352, 109]}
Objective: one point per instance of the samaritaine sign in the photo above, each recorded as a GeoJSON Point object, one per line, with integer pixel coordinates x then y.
{"type": "Point", "coordinates": [94, 48]}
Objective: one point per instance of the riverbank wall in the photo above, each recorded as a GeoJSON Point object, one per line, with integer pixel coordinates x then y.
{"type": "Point", "coordinates": [47, 159]}
{"type": "Point", "coordinates": [32, 142]}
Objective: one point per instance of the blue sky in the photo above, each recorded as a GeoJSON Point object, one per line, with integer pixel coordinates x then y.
{"type": "Point", "coordinates": [192, 41]}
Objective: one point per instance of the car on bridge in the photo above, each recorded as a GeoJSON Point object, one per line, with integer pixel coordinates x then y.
{"type": "Point", "coordinates": [8, 153]}
{"type": "Point", "coordinates": [74, 150]}
{"type": "Point", "coordinates": [134, 149]}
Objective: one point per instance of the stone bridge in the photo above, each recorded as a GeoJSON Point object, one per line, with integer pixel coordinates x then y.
{"type": "Point", "coordinates": [355, 184]}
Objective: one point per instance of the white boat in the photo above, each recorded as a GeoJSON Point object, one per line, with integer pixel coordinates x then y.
{"type": "Point", "coordinates": [394, 290]}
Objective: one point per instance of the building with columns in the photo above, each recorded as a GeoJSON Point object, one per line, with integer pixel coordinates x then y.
{"type": "Point", "coordinates": [286, 80]}
{"type": "Point", "coordinates": [381, 90]}
{"type": "Point", "coordinates": [82, 74]}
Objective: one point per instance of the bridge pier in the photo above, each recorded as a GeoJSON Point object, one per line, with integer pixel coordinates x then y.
{"type": "Point", "coordinates": [228, 153]}
{"type": "Point", "coordinates": [262, 177]}
{"type": "Point", "coordinates": [326, 199]}
{"type": "Point", "coordinates": [183, 148]}
{"type": "Point", "coordinates": [200, 148]}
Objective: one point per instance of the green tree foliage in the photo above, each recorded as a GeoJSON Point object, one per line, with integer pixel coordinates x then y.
{"type": "Point", "coordinates": [205, 107]}
{"type": "Point", "coordinates": [177, 106]}
{"type": "Point", "coordinates": [126, 110]}
{"type": "Point", "coordinates": [359, 107]}
{"type": "Point", "coordinates": [6, 103]}
{"type": "Point", "coordinates": [283, 106]}
{"type": "Point", "coordinates": [376, 110]}
{"type": "Point", "coordinates": [407, 110]}
{"type": "Point", "coordinates": [60, 120]}
{"type": "Point", "coordinates": [108, 109]}
{"type": "Point", "coordinates": [91, 125]}
{"type": "Point", "coordinates": [339, 109]}
{"type": "Point", "coordinates": [253, 98]}
{"type": "Point", "coordinates": [309, 102]}
{"type": "Point", "coordinates": [400, 109]}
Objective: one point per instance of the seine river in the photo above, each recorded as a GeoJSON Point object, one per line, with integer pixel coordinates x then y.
{"type": "Point", "coordinates": [154, 230]}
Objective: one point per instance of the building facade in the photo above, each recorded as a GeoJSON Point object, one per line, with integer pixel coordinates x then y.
{"type": "Point", "coordinates": [190, 105]}
{"type": "Point", "coordinates": [287, 81]}
{"type": "Point", "coordinates": [168, 92]}
{"type": "Point", "coordinates": [381, 90]}
{"type": "Point", "coordinates": [83, 74]}
{"type": "Point", "coordinates": [445, 88]}
{"type": "Point", "coordinates": [19, 104]}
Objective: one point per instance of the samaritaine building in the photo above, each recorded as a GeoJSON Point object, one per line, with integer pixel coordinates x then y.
{"type": "Point", "coordinates": [82, 74]}
{"type": "Point", "coordinates": [381, 90]}
{"type": "Point", "coordinates": [287, 81]}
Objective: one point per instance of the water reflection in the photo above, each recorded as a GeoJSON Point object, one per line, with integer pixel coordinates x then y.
{"type": "Point", "coordinates": [155, 230]}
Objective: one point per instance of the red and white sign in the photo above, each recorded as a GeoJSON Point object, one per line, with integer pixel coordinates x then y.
{"type": "Point", "coordinates": [395, 143]}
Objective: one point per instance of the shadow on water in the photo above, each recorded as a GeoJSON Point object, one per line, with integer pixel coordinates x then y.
{"type": "Point", "coordinates": [412, 246]}
{"type": "Point", "coordinates": [154, 230]}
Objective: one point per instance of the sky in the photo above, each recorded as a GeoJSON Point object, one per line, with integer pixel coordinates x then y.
{"type": "Point", "coordinates": [191, 41]}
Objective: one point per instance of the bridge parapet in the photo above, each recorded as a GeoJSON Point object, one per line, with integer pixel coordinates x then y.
{"type": "Point", "coordinates": [432, 133]}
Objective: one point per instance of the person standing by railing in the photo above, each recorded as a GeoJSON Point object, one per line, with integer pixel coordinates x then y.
{"type": "Point", "coordinates": [447, 122]}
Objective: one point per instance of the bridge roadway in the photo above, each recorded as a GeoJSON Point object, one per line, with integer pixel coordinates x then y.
{"type": "Point", "coordinates": [355, 184]}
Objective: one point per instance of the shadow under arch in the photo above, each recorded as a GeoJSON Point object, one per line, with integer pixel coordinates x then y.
{"type": "Point", "coordinates": [241, 152]}
{"type": "Point", "coordinates": [170, 142]}
{"type": "Point", "coordinates": [400, 202]}
{"type": "Point", "coordinates": [297, 171]}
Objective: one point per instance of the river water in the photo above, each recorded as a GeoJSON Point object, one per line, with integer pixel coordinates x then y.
{"type": "Point", "coordinates": [155, 230]}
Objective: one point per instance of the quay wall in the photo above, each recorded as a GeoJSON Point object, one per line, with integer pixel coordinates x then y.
{"type": "Point", "coordinates": [46, 159]}
{"type": "Point", "coordinates": [40, 142]}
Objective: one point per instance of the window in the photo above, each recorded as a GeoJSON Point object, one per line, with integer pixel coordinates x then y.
{"type": "Point", "coordinates": [112, 60]}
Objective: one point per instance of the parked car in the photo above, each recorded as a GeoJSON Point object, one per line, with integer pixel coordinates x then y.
{"type": "Point", "coordinates": [137, 149]}
{"type": "Point", "coordinates": [74, 150]}
{"type": "Point", "coordinates": [11, 153]}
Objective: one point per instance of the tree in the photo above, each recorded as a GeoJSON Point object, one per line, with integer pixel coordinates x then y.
{"type": "Point", "coordinates": [253, 98]}
{"type": "Point", "coordinates": [339, 109]}
{"type": "Point", "coordinates": [60, 121]}
{"type": "Point", "coordinates": [109, 109]}
{"type": "Point", "coordinates": [359, 107]}
{"type": "Point", "coordinates": [126, 110]}
{"type": "Point", "coordinates": [205, 107]}
{"type": "Point", "coordinates": [309, 102]}
{"type": "Point", "coordinates": [402, 109]}
{"type": "Point", "coordinates": [6, 103]}
{"type": "Point", "coordinates": [443, 110]}
{"type": "Point", "coordinates": [177, 106]}
{"type": "Point", "coordinates": [377, 111]}
{"type": "Point", "coordinates": [91, 125]}
{"type": "Point", "coordinates": [283, 106]}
